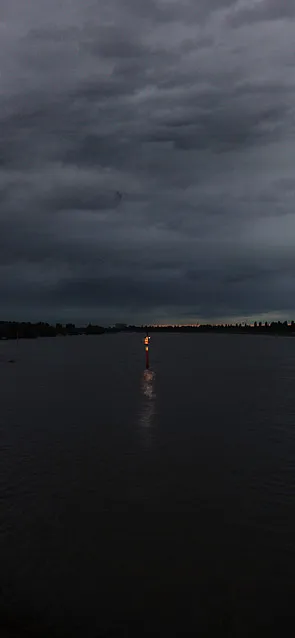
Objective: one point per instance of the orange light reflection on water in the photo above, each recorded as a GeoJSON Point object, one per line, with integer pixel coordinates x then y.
{"type": "Point", "coordinates": [147, 411]}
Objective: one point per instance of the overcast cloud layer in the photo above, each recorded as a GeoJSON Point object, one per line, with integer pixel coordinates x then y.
{"type": "Point", "coordinates": [186, 108]}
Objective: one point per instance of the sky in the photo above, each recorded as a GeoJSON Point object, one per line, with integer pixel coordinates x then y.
{"type": "Point", "coordinates": [147, 160]}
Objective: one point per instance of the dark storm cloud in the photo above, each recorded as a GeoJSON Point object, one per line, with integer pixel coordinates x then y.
{"type": "Point", "coordinates": [262, 10]}
{"type": "Point", "coordinates": [184, 108]}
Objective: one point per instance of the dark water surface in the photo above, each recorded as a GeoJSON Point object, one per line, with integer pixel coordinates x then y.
{"type": "Point", "coordinates": [133, 505]}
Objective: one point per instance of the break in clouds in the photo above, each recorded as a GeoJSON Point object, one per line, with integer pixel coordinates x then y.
{"type": "Point", "coordinates": [147, 160]}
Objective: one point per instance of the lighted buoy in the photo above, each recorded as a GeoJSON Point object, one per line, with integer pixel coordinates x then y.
{"type": "Point", "coordinates": [146, 346]}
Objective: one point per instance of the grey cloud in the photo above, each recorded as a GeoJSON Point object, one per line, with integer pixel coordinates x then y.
{"type": "Point", "coordinates": [83, 199]}
{"type": "Point", "coordinates": [261, 11]}
{"type": "Point", "coordinates": [183, 110]}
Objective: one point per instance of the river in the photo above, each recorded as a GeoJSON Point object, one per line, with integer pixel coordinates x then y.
{"type": "Point", "coordinates": [135, 503]}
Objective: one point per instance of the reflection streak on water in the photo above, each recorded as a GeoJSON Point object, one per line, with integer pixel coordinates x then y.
{"type": "Point", "coordinates": [147, 405]}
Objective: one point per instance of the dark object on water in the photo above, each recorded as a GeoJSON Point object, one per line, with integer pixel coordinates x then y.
{"type": "Point", "coordinates": [146, 344]}
{"type": "Point", "coordinates": [11, 361]}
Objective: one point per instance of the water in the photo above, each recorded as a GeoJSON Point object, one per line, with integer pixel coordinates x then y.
{"type": "Point", "coordinates": [142, 504]}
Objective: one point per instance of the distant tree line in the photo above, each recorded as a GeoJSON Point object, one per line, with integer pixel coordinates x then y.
{"type": "Point", "coordinates": [27, 330]}
{"type": "Point", "coordinates": [271, 328]}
